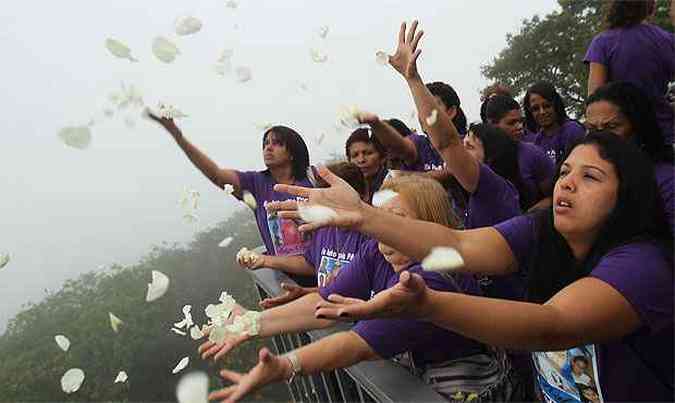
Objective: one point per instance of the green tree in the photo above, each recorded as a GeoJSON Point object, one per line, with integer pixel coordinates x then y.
{"type": "Point", "coordinates": [32, 365]}
{"type": "Point", "coordinates": [552, 49]}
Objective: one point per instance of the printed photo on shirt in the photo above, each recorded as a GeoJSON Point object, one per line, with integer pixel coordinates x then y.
{"type": "Point", "coordinates": [568, 376]}
{"type": "Point", "coordinates": [286, 238]}
{"type": "Point", "coordinates": [329, 269]}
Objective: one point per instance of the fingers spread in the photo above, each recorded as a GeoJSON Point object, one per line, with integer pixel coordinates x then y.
{"type": "Point", "coordinates": [205, 346]}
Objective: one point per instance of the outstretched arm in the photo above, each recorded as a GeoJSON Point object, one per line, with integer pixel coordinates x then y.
{"type": "Point", "coordinates": [396, 144]}
{"type": "Point", "coordinates": [219, 176]}
{"type": "Point", "coordinates": [597, 77]}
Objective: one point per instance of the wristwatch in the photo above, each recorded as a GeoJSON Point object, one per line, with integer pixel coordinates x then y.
{"type": "Point", "coordinates": [295, 365]}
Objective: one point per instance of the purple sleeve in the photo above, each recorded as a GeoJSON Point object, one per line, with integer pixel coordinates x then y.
{"type": "Point", "coordinates": [521, 235]}
{"type": "Point", "coordinates": [640, 273]}
{"type": "Point", "coordinates": [417, 140]}
{"type": "Point", "coordinates": [353, 280]}
{"type": "Point", "coordinates": [597, 51]}
{"type": "Point", "coordinates": [248, 180]}
{"type": "Point", "coordinates": [389, 337]}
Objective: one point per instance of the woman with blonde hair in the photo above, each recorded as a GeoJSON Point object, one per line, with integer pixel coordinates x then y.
{"type": "Point", "coordinates": [433, 352]}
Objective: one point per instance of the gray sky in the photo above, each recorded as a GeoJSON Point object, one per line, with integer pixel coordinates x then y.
{"type": "Point", "coordinates": [64, 211]}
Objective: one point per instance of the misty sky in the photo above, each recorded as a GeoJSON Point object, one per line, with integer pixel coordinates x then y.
{"type": "Point", "coordinates": [65, 211]}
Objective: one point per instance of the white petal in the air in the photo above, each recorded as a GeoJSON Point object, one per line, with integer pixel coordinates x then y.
{"type": "Point", "coordinates": [62, 341]}
{"type": "Point", "coordinates": [318, 56]}
{"type": "Point", "coordinates": [231, 4]}
{"type": "Point", "coordinates": [382, 58]}
{"type": "Point", "coordinates": [383, 196]}
{"type": "Point", "coordinates": [320, 138]}
{"type": "Point", "coordinates": [121, 377]}
{"type": "Point", "coordinates": [249, 199]}
{"type": "Point", "coordinates": [193, 388]}
{"type": "Point", "coordinates": [243, 74]}
{"type": "Point", "coordinates": [432, 118]}
{"type": "Point", "coordinates": [222, 68]}
{"type": "Point", "coordinates": [164, 49]}
{"type": "Point", "coordinates": [226, 242]}
{"type": "Point", "coordinates": [229, 189]}
{"type": "Point", "coordinates": [118, 49]}
{"type": "Point", "coordinates": [178, 331]}
{"type": "Point", "coordinates": [196, 333]}
{"type": "Point", "coordinates": [348, 116]}
{"type": "Point", "coordinates": [323, 31]}
{"type": "Point", "coordinates": [316, 213]}
{"type": "Point", "coordinates": [190, 218]}
{"type": "Point", "coordinates": [187, 25]}
{"type": "Point", "coordinates": [181, 365]}
{"type": "Point", "coordinates": [442, 259]}
{"type": "Point", "coordinates": [72, 380]}
{"type": "Point", "coordinates": [76, 136]}
{"type": "Point", "coordinates": [187, 318]}
{"type": "Point", "coordinates": [4, 259]}
{"type": "Point", "coordinates": [158, 287]}
{"type": "Point", "coordinates": [115, 322]}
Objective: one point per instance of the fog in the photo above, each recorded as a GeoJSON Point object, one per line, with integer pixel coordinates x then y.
{"type": "Point", "coordinates": [66, 211]}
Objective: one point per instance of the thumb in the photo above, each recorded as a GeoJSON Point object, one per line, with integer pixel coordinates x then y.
{"type": "Point", "coordinates": [412, 282]}
{"type": "Point", "coordinates": [265, 355]}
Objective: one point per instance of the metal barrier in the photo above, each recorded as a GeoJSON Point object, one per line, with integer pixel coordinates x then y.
{"type": "Point", "coordinates": [368, 381]}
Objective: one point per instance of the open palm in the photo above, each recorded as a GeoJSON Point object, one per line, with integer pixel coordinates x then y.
{"type": "Point", "coordinates": [405, 59]}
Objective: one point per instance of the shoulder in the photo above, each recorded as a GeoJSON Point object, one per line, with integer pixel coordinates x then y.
{"type": "Point", "coordinates": [642, 273]}
{"type": "Point", "coordinates": [520, 233]}
{"type": "Point", "coordinates": [489, 181]}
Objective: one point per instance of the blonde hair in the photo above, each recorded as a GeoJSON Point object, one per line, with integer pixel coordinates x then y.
{"type": "Point", "coordinates": [426, 197]}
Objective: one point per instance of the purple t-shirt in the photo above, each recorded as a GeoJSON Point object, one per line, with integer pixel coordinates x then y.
{"type": "Point", "coordinates": [556, 144]}
{"type": "Point", "coordinates": [330, 249]}
{"type": "Point", "coordinates": [535, 167]}
{"type": "Point", "coordinates": [639, 367]}
{"type": "Point", "coordinates": [280, 235]}
{"type": "Point", "coordinates": [368, 274]}
{"type": "Point", "coordinates": [643, 54]}
{"type": "Point", "coordinates": [428, 159]}
{"type": "Point", "coordinates": [495, 200]}
{"type": "Point", "coordinates": [664, 178]}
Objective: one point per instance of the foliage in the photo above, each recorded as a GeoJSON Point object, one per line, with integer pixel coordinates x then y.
{"type": "Point", "coordinates": [552, 49]}
{"type": "Point", "coordinates": [32, 364]}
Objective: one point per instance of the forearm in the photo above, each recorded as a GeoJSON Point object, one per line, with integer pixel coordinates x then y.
{"type": "Point", "coordinates": [339, 350]}
{"type": "Point", "coordinates": [209, 168]}
{"type": "Point", "coordinates": [501, 323]}
{"type": "Point", "coordinates": [289, 264]}
{"type": "Point", "coordinates": [295, 316]}
{"type": "Point", "coordinates": [397, 145]}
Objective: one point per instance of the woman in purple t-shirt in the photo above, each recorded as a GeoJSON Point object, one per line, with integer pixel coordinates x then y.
{"type": "Point", "coordinates": [286, 158]}
{"type": "Point", "coordinates": [632, 50]}
{"type": "Point", "coordinates": [364, 150]}
{"type": "Point", "coordinates": [547, 122]}
{"type": "Point", "coordinates": [600, 282]}
{"type": "Point", "coordinates": [375, 268]}
{"type": "Point", "coordinates": [623, 109]}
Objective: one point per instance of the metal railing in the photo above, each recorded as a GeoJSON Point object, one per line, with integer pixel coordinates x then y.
{"type": "Point", "coordinates": [368, 381]}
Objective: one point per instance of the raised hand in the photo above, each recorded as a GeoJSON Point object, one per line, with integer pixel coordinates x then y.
{"type": "Point", "coordinates": [251, 261]}
{"type": "Point", "coordinates": [368, 118]}
{"type": "Point", "coordinates": [270, 368]}
{"type": "Point", "coordinates": [292, 293]}
{"type": "Point", "coordinates": [166, 123]}
{"type": "Point", "coordinates": [340, 197]}
{"type": "Point", "coordinates": [407, 299]}
{"type": "Point", "coordinates": [405, 59]}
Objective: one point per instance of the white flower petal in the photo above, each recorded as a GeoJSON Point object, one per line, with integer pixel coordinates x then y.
{"type": "Point", "coordinates": [432, 118]}
{"type": "Point", "coordinates": [72, 380]}
{"type": "Point", "coordinates": [62, 341]}
{"type": "Point", "coordinates": [348, 116]}
{"type": "Point", "coordinates": [196, 333]}
{"type": "Point", "coordinates": [193, 388]}
{"type": "Point", "coordinates": [243, 74]}
{"type": "Point", "coordinates": [76, 136]}
{"type": "Point", "coordinates": [383, 196]}
{"type": "Point", "coordinates": [121, 377]}
{"type": "Point", "coordinates": [118, 49]}
{"type": "Point", "coordinates": [115, 322]}
{"type": "Point", "coordinates": [4, 259]}
{"type": "Point", "coordinates": [158, 286]}
{"type": "Point", "coordinates": [249, 199]}
{"type": "Point", "coordinates": [187, 25]}
{"type": "Point", "coordinates": [181, 365]}
{"type": "Point", "coordinates": [442, 259]}
{"type": "Point", "coordinates": [231, 4]}
{"type": "Point", "coordinates": [323, 31]}
{"type": "Point", "coordinates": [318, 56]}
{"type": "Point", "coordinates": [225, 55]}
{"type": "Point", "coordinates": [320, 138]}
{"type": "Point", "coordinates": [316, 213]}
{"type": "Point", "coordinates": [382, 58]}
{"type": "Point", "coordinates": [226, 242]}
{"type": "Point", "coordinates": [178, 332]}
{"type": "Point", "coordinates": [164, 49]}
{"type": "Point", "coordinates": [229, 189]}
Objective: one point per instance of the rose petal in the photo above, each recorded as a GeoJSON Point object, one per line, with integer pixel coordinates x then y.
{"type": "Point", "coordinates": [196, 333]}
{"type": "Point", "coordinates": [316, 213]}
{"type": "Point", "coordinates": [442, 259]}
{"type": "Point", "coordinates": [323, 31]}
{"type": "Point", "coordinates": [226, 242]}
{"type": "Point", "coordinates": [76, 136]}
{"type": "Point", "coordinates": [181, 365]}
{"type": "Point", "coordinates": [178, 332]}
{"type": "Point", "coordinates": [118, 49]}
{"type": "Point", "coordinates": [121, 377]}
{"type": "Point", "coordinates": [193, 388]}
{"type": "Point", "coordinates": [383, 196]}
{"type": "Point", "coordinates": [4, 259]}
{"type": "Point", "coordinates": [164, 49]}
{"type": "Point", "coordinates": [432, 118]}
{"type": "Point", "coordinates": [318, 56]}
{"type": "Point", "coordinates": [243, 74]}
{"type": "Point", "coordinates": [62, 341]}
{"type": "Point", "coordinates": [158, 286]}
{"type": "Point", "coordinates": [187, 25]}
{"type": "Point", "coordinates": [72, 380]}
{"type": "Point", "coordinates": [249, 199]}
{"type": "Point", "coordinates": [382, 58]}
{"type": "Point", "coordinates": [115, 322]}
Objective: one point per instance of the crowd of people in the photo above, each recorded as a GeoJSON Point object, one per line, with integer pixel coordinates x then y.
{"type": "Point", "coordinates": [565, 229]}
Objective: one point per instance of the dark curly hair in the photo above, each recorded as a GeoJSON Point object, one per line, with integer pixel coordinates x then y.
{"type": "Point", "coordinates": [449, 96]}
{"type": "Point", "coordinates": [363, 135]}
{"type": "Point", "coordinates": [625, 13]}
{"type": "Point", "coordinates": [547, 91]}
